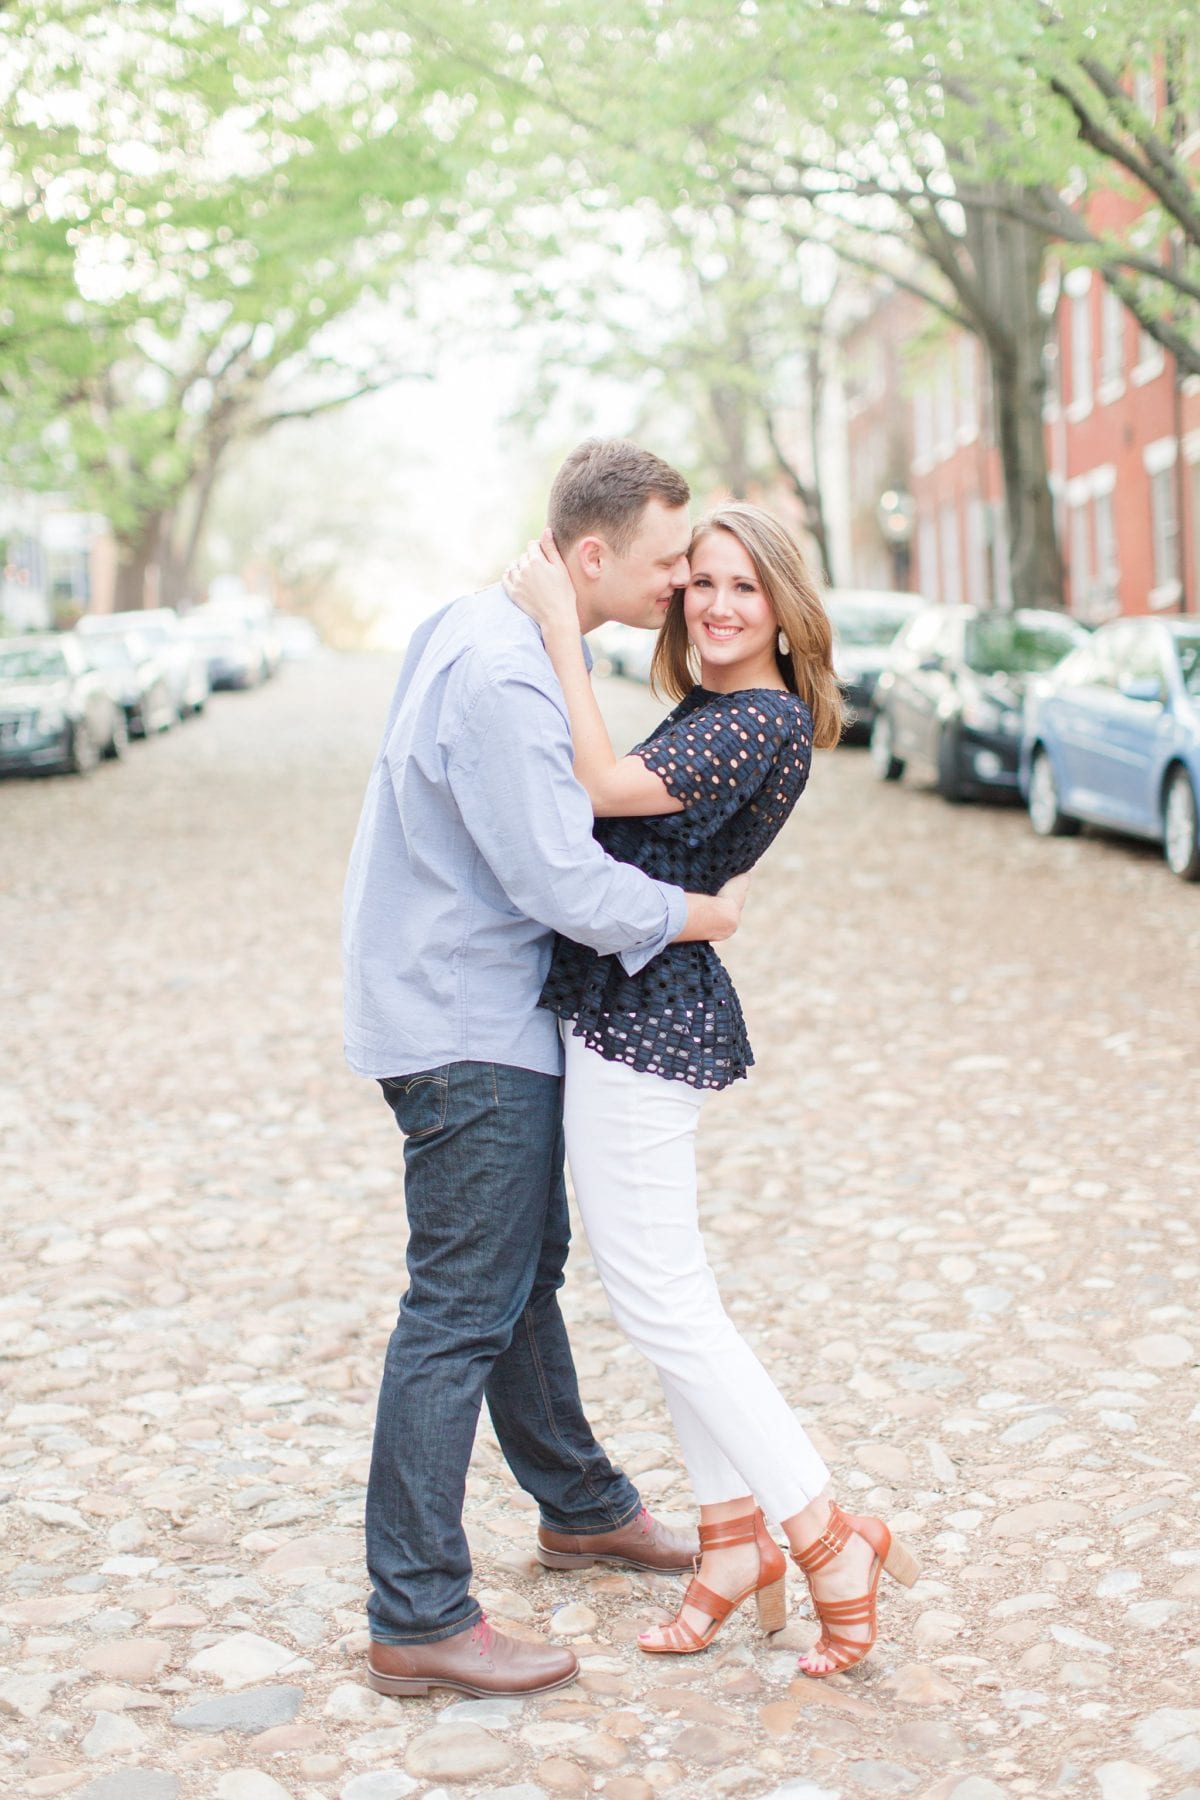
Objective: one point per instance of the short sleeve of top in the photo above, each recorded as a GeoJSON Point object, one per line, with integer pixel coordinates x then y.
{"type": "Point", "coordinates": [738, 763]}
{"type": "Point", "coordinates": [716, 758]}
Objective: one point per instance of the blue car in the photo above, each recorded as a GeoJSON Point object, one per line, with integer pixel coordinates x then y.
{"type": "Point", "coordinates": [1112, 738]}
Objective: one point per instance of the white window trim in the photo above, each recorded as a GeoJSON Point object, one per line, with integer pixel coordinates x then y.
{"type": "Point", "coordinates": [1169, 594]}
{"type": "Point", "coordinates": [1191, 385]}
{"type": "Point", "coordinates": [1162, 454]}
{"type": "Point", "coordinates": [1150, 369]}
{"type": "Point", "coordinates": [1076, 282]}
{"type": "Point", "coordinates": [1104, 479]}
{"type": "Point", "coordinates": [1191, 447]}
{"type": "Point", "coordinates": [1108, 391]}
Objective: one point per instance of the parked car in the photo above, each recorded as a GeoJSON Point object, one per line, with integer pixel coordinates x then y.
{"type": "Point", "coordinates": [952, 701]}
{"type": "Point", "coordinates": [158, 627]}
{"type": "Point", "coordinates": [298, 638]}
{"type": "Point", "coordinates": [231, 653]}
{"type": "Point", "coordinates": [135, 677]}
{"type": "Point", "coordinates": [257, 618]}
{"type": "Point", "coordinates": [1112, 738]}
{"type": "Point", "coordinates": [55, 711]}
{"type": "Point", "coordinates": [865, 623]}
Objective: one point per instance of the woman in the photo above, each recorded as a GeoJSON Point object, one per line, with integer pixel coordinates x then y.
{"type": "Point", "coordinates": [697, 804]}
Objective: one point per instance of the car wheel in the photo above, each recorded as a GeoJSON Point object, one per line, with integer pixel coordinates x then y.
{"type": "Point", "coordinates": [950, 783]}
{"type": "Point", "coordinates": [1181, 827]}
{"type": "Point", "coordinates": [118, 742]}
{"type": "Point", "coordinates": [886, 764]}
{"type": "Point", "coordinates": [85, 752]}
{"type": "Point", "coordinates": [1045, 814]}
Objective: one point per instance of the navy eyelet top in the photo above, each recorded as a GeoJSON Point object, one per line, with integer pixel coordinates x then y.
{"type": "Point", "coordinates": [739, 763]}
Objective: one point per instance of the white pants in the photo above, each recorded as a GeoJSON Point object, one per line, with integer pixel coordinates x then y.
{"type": "Point", "coordinates": [631, 1147]}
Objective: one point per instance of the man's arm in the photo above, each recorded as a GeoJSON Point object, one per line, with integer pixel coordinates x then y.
{"type": "Point", "coordinates": [510, 774]}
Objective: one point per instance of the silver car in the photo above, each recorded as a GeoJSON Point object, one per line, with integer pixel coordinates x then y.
{"type": "Point", "coordinates": [184, 669]}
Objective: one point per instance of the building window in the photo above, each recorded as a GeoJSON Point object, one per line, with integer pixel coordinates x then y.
{"type": "Point", "coordinates": [951, 566]}
{"type": "Point", "coordinates": [1164, 530]}
{"type": "Point", "coordinates": [945, 409]}
{"type": "Point", "coordinates": [923, 425]}
{"type": "Point", "coordinates": [1112, 342]}
{"type": "Point", "coordinates": [1108, 569]}
{"type": "Point", "coordinates": [968, 389]}
{"type": "Point", "coordinates": [1001, 571]}
{"type": "Point", "coordinates": [977, 553]}
{"type": "Point", "coordinates": [1081, 355]}
{"type": "Point", "coordinates": [927, 557]}
{"type": "Point", "coordinates": [1150, 360]}
{"type": "Point", "coordinates": [1080, 540]}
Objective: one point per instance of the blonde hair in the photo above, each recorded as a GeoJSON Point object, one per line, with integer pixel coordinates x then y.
{"type": "Point", "coordinates": [807, 664]}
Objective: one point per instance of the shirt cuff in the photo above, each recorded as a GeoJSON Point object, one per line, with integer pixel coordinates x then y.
{"type": "Point", "coordinates": [634, 961]}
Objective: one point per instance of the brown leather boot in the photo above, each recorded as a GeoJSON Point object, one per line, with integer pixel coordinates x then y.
{"type": "Point", "coordinates": [478, 1661]}
{"type": "Point", "coordinates": [642, 1544]}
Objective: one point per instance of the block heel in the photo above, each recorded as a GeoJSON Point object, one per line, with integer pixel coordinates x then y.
{"type": "Point", "coordinates": [901, 1564]}
{"type": "Point", "coordinates": [679, 1639]}
{"type": "Point", "coordinates": [771, 1603]}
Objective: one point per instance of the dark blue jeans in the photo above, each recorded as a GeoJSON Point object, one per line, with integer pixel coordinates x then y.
{"type": "Point", "coordinates": [488, 1240]}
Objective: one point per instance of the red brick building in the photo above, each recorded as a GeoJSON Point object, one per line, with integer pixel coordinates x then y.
{"type": "Point", "coordinates": [1122, 442]}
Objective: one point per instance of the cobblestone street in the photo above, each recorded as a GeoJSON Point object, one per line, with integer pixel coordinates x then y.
{"type": "Point", "coordinates": [956, 1208]}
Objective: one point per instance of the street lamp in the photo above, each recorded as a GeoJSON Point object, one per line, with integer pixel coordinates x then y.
{"type": "Point", "coordinates": [896, 513]}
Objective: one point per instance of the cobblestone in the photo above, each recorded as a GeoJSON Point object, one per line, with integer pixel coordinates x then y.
{"type": "Point", "coordinates": [955, 1210]}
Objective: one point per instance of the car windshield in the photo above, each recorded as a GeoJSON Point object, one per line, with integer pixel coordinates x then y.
{"type": "Point", "coordinates": [32, 662]}
{"type": "Point", "coordinates": [866, 623]}
{"type": "Point", "coordinates": [110, 652]}
{"type": "Point", "coordinates": [1187, 649]}
{"type": "Point", "coordinates": [1007, 646]}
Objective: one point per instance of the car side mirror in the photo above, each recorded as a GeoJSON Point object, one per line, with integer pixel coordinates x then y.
{"type": "Point", "coordinates": [1142, 687]}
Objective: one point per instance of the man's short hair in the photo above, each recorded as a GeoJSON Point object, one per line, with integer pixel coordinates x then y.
{"type": "Point", "coordinates": [604, 487]}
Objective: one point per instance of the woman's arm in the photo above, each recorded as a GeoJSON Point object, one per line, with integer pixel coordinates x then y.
{"type": "Point", "coordinates": [617, 786]}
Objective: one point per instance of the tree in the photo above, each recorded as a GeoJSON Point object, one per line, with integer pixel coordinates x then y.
{"type": "Point", "coordinates": [213, 190]}
{"type": "Point", "coordinates": [935, 143]}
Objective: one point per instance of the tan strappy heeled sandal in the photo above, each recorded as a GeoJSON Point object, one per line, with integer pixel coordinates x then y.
{"type": "Point", "coordinates": [900, 1563]}
{"type": "Point", "coordinates": [679, 1638]}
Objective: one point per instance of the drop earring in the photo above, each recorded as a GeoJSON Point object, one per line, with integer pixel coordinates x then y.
{"type": "Point", "coordinates": [784, 646]}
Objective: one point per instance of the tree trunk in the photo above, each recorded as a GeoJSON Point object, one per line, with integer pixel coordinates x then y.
{"type": "Point", "coordinates": [136, 557]}
{"type": "Point", "coordinates": [729, 415]}
{"type": "Point", "coordinates": [1009, 258]}
{"type": "Point", "coordinates": [817, 523]}
{"type": "Point", "coordinates": [185, 566]}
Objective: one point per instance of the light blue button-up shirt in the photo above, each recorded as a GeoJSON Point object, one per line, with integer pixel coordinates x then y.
{"type": "Point", "coordinates": [474, 846]}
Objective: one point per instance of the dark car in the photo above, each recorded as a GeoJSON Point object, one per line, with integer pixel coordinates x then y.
{"type": "Point", "coordinates": [953, 700]}
{"type": "Point", "coordinates": [55, 712]}
{"type": "Point", "coordinates": [1112, 738]}
{"type": "Point", "coordinates": [135, 678]}
{"type": "Point", "coordinates": [159, 629]}
{"type": "Point", "coordinates": [865, 623]}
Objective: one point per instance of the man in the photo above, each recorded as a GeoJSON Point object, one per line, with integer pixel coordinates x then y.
{"type": "Point", "coordinates": [474, 845]}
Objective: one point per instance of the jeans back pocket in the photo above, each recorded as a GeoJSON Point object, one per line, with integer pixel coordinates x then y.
{"type": "Point", "coordinates": [419, 1102]}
